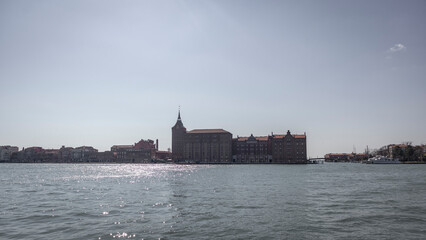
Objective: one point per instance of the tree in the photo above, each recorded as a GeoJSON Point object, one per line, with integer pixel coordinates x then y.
{"type": "Point", "coordinates": [418, 153]}
{"type": "Point", "coordinates": [409, 153]}
{"type": "Point", "coordinates": [398, 153]}
{"type": "Point", "coordinates": [383, 151]}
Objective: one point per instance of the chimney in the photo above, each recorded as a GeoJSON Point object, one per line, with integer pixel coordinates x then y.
{"type": "Point", "coordinates": [156, 144]}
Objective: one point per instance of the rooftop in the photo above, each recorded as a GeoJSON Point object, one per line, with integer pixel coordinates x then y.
{"type": "Point", "coordinates": [163, 152]}
{"type": "Point", "coordinates": [398, 145]}
{"type": "Point", "coordinates": [208, 131]}
{"type": "Point", "coordinates": [261, 138]}
{"type": "Point", "coordinates": [294, 135]}
{"type": "Point", "coordinates": [122, 146]}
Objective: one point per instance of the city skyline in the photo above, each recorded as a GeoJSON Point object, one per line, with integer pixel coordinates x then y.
{"type": "Point", "coordinates": [98, 74]}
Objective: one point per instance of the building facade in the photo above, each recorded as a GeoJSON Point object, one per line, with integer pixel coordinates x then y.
{"type": "Point", "coordinates": [406, 152]}
{"type": "Point", "coordinates": [84, 154]}
{"type": "Point", "coordinates": [200, 145]}
{"type": "Point", "coordinates": [251, 149]}
{"type": "Point", "coordinates": [178, 140]}
{"type": "Point", "coordinates": [141, 152]}
{"type": "Point", "coordinates": [146, 144]}
{"type": "Point", "coordinates": [6, 152]}
{"type": "Point", "coordinates": [217, 146]}
{"type": "Point", "coordinates": [288, 148]}
{"type": "Point", "coordinates": [396, 150]}
{"type": "Point", "coordinates": [65, 154]}
{"type": "Point", "coordinates": [163, 155]}
{"type": "Point", "coordinates": [208, 146]}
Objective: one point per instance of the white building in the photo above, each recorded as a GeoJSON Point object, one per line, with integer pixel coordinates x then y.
{"type": "Point", "coordinates": [6, 152]}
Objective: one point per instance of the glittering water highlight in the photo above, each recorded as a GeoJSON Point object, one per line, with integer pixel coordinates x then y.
{"type": "Point", "coordinates": [152, 201]}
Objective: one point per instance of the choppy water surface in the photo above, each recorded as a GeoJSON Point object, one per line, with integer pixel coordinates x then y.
{"type": "Point", "coordinates": [326, 201]}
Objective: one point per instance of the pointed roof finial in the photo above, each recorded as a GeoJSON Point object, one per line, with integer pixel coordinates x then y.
{"type": "Point", "coordinates": [179, 114]}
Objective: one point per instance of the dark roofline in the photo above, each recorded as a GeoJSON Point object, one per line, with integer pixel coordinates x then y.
{"type": "Point", "coordinates": [219, 130]}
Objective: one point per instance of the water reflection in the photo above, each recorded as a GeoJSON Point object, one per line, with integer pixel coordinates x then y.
{"type": "Point", "coordinates": [216, 201]}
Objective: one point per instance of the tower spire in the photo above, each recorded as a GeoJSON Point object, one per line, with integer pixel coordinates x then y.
{"type": "Point", "coordinates": [179, 123]}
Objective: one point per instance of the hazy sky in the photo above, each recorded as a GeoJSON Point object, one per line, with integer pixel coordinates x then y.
{"type": "Point", "coordinates": [99, 73]}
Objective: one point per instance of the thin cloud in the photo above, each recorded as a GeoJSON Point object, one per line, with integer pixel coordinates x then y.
{"type": "Point", "coordinates": [397, 47]}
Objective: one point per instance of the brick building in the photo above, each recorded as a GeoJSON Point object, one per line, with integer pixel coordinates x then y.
{"type": "Point", "coordinates": [178, 140]}
{"type": "Point", "coordinates": [200, 145]}
{"type": "Point", "coordinates": [217, 146]}
{"type": "Point", "coordinates": [141, 152]}
{"type": "Point", "coordinates": [288, 148]}
{"type": "Point", "coordinates": [208, 146]}
{"type": "Point", "coordinates": [251, 149]}
{"type": "Point", "coordinates": [163, 155]}
{"type": "Point", "coordinates": [146, 144]}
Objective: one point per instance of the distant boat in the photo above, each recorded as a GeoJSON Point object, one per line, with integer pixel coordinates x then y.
{"type": "Point", "coordinates": [314, 161]}
{"type": "Point", "coordinates": [383, 160]}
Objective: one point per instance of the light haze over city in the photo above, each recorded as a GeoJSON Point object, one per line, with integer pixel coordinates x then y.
{"type": "Point", "coordinates": [100, 73]}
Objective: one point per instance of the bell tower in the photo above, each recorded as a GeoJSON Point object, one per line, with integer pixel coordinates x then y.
{"type": "Point", "coordinates": [178, 139]}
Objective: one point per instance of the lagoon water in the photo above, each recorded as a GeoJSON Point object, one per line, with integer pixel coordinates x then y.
{"type": "Point", "coordinates": [153, 201]}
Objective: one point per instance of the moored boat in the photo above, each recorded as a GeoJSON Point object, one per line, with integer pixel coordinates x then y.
{"type": "Point", "coordinates": [383, 160]}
